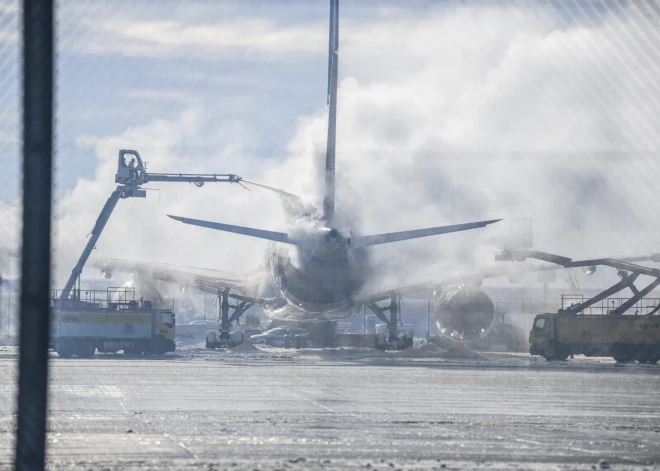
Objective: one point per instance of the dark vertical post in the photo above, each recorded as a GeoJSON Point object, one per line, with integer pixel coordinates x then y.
{"type": "Point", "coordinates": [224, 321]}
{"type": "Point", "coordinates": [35, 263]}
{"type": "Point", "coordinates": [364, 319]}
{"type": "Point", "coordinates": [1, 282]}
{"type": "Point", "coordinates": [9, 312]}
{"type": "Point", "coordinates": [428, 319]}
{"type": "Point", "coordinates": [394, 317]}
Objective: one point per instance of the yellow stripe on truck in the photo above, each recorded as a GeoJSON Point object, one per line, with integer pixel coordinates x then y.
{"type": "Point", "coordinates": [164, 330]}
{"type": "Point", "coordinates": [103, 318]}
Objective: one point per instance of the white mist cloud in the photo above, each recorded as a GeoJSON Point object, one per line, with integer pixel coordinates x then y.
{"type": "Point", "coordinates": [502, 112]}
{"type": "Point", "coordinates": [467, 113]}
{"type": "Point", "coordinates": [139, 229]}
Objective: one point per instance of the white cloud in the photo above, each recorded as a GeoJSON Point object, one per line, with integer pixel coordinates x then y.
{"type": "Point", "coordinates": [139, 229]}
{"type": "Point", "coordinates": [466, 114]}
{"type": "Point", "coordinates": [261, 39]}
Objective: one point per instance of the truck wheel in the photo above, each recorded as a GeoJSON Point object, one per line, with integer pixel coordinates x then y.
{"type": "Point", "coordinates": [287, 341]}
{"type": "Point", "coordinates": [297, 342]}
{"type": "Point", "coordinates": [138, 349]}
{"type": "Point", "coordinates": [621, 354]}
{"type": "Point", "coordinates": [649, 357]}
{"type": "Point", "coordinates": [210, 340]}
{"type": "Point", "coordinates": [653, 355]}
{"type": "Point", "coordinates": [84, 349]}
{"type": "Point", "coordinates": [380, 342]}
{"type": "Point", "coordinates": [550, 352]}
{"type": "Point", "coordinates": [64, 350]}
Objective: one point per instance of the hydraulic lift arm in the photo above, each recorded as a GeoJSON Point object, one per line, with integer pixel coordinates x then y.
{"type": "Point", "coordinates": [130, 176]}
{"type": "Point", "coordinates": [101, 221]}
{"type": "Point", "coordinates": [625, 282]}
{"type": "Point", "coordinates": [628, 271]}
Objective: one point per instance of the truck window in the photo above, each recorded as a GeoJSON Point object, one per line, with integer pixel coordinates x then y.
{"type": "Point", "coordinates": [540, 324]}
{"type": "Point", "coordinates": [166, 318]}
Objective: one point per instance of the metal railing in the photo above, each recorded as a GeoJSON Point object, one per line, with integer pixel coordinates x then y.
{"type": "Point", "coordinates": [117, 297]}
{"type": "Point", "coordinates": [604, 307]}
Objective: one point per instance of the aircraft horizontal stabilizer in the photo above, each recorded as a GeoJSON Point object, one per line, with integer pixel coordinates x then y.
{"type": "Point", "coordinates": [248, 231]}
{"type": "Point", "coordinates": [366, 241]}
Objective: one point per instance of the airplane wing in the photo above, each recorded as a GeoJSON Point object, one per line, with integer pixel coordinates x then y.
{"type": "Point", "coordinates": [246, 287]}
{"type": "Point", "coordinates": [213, 281]}
{"type": "Point", "coordinates": [510, 270]}
{"type": "Point", "coordinates": [514, 271]}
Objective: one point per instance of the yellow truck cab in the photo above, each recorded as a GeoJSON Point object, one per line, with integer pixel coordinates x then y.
{"type": "Point", "coordinates": [624, 337]}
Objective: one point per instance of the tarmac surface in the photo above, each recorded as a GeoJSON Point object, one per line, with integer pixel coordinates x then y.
{"type": "Point", "coordinates": [342, 409]}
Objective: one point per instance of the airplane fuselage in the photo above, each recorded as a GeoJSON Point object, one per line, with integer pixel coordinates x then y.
{"type": "Point", "coordinates": [316, 281]}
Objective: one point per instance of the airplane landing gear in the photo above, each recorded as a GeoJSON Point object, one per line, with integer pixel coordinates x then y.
{"type": "Point", "coordinates": [222, 337]}
{"type": "Point", "coordinates": [393, 339]}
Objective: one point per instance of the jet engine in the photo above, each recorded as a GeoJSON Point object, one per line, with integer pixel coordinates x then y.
{"type": "Point", "coordinates": [464, 313]}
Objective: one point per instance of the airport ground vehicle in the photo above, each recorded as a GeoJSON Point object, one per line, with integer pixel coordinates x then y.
{"type": "Point", "coordinates": [624, 337]}
{"type": "Point", "coordinates": [283, 337]}
{"type": "Point", "coordinates": [252, 325]}
{"type": "Point", "coordinates": [626, 329]}
{"type": "Point", "coordinates": [109, 321]}
{"type": "Point", "coordinates": [406, 333]}
{"type": "Point", "coordinates": [345, 328]}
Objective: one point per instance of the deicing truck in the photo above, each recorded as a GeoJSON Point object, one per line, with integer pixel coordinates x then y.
{"type": "Point", "coordinates": [80, 327]}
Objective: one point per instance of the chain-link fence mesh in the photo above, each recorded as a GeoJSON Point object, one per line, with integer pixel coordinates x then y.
{"type": "Point", "coordinates": [10, 181]}
{"type": "Point", "coordinates": [448, 112]}
{"type": "Point", "coordinates": [533, 110]}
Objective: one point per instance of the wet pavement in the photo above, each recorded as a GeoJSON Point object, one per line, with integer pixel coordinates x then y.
{"type": "Point", "coordinates": [343, 409]}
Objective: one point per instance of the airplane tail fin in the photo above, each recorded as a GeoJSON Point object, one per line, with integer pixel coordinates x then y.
{"type": "Point", "coordinates": [356, 242]}
{"type": "Point", "coordinates": [376, 239]}
{"type": "Point", "coordinates": [329, 194]}
{"type": "Point", "coordinates": [333, 56]}
{"type": "Point", "coordinates": [248, 231]}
